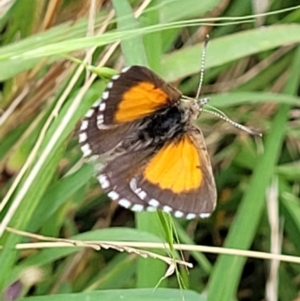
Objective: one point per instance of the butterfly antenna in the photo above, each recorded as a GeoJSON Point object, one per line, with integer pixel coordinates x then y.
{"type": "Point", "coordinates": [206, 40]}
{"type": "Point", "coordinates": [204, 101]}
{"type": "Point", "coordinates": [222, 116]}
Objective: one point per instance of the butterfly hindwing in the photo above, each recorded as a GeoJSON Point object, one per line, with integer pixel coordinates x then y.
{"type": "Point", "coordinates": [178, 178]}
{"type": "Point", "coordinates": [115, 178]}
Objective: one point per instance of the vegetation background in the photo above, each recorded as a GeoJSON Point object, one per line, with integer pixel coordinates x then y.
{"type": "Point", "coordinates": [252, 74]}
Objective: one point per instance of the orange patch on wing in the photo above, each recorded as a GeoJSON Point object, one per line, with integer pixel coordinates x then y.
{"type": "Point", "coordinates": [139, 101]}
{"type": "Point", "coordinates": [176, 167]}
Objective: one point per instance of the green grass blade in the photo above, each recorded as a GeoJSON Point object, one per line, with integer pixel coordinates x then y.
{"type": "Point", "coordinates": [126, 295]}
{"type": "Point", "coordinates": [133, 48]}
{"type": "Point", "coordinates": [238, 98]}
{"type": "Point", "coordinates": [37, 181]}
{"type": "Point", "coordinates": [178, 10]}
{"type": "Point", "coordinates": [228, 48]}
{"type": "Point", "coordinates": [243, 229]}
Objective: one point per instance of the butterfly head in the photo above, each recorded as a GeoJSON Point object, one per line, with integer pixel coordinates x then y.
{"type": "Point", "coordinates": [193, 106]}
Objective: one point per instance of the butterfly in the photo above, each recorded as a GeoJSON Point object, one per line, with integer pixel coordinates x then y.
{"type": "Point", "coordinates": [155, 155]}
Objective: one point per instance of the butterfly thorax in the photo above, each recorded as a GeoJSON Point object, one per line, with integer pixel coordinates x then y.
{"type": "Point", "coordinates": [166, 124]}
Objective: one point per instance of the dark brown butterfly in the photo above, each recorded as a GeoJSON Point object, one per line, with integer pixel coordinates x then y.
{"type": "Point", "coordinates": [155, 155]}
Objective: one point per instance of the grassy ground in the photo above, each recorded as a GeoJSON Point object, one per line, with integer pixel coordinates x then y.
{"type": "Point", "coordinates": [55, 60]}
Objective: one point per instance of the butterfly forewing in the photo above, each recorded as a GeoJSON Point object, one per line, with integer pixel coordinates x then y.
{"type": "Point", "coordinates": [135, 93]}
{"type": "Point", "coordinates": [130, 96]}
{"type": "Point", "coordinates": [95, 142]}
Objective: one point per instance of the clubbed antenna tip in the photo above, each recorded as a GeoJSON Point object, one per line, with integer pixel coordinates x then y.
{"type": "Point", "coordinates": [222, 116]}
{"type": "Point", "coordinates": [206, 40]}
